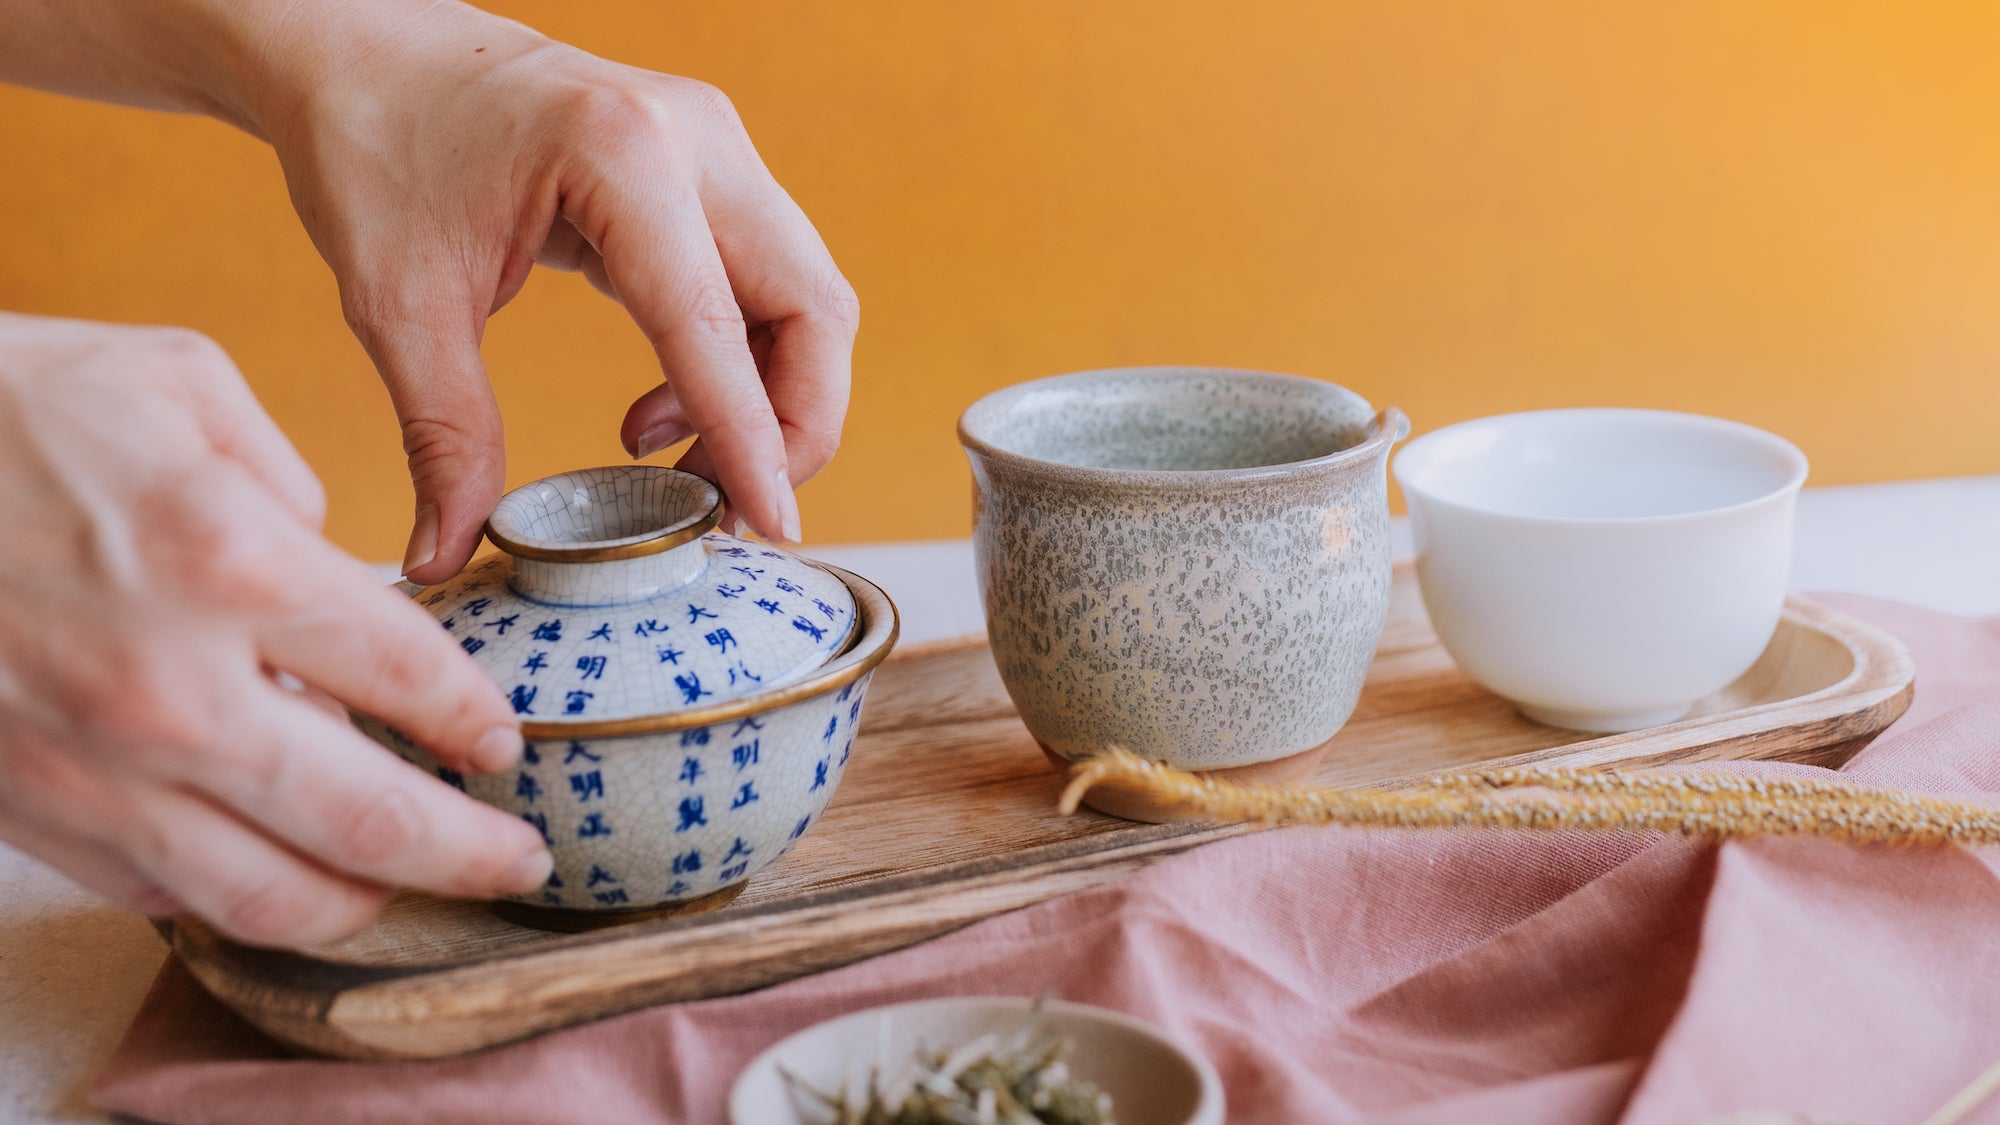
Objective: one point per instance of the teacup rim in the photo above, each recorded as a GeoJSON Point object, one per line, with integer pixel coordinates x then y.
{"type": "Point", "coordinates": [1795, 479]}
{"type": "Point", "coordinates": [1385, 427]}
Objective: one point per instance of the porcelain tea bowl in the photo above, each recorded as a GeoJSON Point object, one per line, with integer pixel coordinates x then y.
{"type": "Point", "coordinates": [688, 699]}
{"type": "Point", "coordinates": [1189, 563]}
{"type": "Point", "coordinates": [1603, 569]}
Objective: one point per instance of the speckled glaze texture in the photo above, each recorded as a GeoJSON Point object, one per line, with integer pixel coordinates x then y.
{"type": "Point", "coordinates": [689, 700]}
{"type": "Point", "coordinates": [1187, 562]}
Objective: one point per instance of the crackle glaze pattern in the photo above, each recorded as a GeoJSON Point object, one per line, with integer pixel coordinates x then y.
{"type": "Point", "coordinates": [690, 705]}
{"type": "Point", "coordinates": [1190, 563]}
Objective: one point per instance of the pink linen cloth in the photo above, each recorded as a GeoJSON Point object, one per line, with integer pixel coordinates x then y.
{"type": "Point", "coordinates": [1350, 976]}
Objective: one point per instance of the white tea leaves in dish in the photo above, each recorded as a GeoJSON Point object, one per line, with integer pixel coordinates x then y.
{"type": "Point", "coordinates": [1017, 1079]}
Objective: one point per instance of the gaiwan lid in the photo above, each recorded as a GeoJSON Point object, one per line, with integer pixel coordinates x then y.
{"type": "Point", "coordinates": [614, 602]}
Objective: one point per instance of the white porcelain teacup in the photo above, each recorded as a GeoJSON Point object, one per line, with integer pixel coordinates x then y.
{"type": "Point", "coordinates": [1603, 569]}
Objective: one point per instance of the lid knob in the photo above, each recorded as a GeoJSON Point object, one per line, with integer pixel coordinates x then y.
{"type": "Point", "coordinates": [606, 536]}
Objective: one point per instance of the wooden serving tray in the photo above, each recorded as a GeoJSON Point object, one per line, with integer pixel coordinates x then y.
{"type": "Point", "coordinates": [948, 815]}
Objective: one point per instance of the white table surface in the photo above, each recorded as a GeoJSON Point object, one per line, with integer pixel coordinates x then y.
{"type": "Point", "coordinates": [72, 970]}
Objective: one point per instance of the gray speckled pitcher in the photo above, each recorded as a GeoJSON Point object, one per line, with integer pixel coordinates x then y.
{"type": "Point", "coordinates": [1191, 563]}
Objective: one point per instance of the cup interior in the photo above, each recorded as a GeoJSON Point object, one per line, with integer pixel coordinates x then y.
{"type": "Point", "coordinates": [1170, 419]}
{"type": "Point", "coordinates": [603, 507]}
{"type": "Point", "coordinates": [1599, 465]}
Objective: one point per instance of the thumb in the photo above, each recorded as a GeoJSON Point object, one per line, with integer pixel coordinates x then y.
{"type": "Point", "coordinates": [451, 430]}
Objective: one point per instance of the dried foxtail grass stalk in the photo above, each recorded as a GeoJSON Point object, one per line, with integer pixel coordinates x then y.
{"type": "Point", "coordinates": [1703, 805]}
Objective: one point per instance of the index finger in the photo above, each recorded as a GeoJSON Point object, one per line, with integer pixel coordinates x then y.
{"type": "Point", "coordinates": [376, 651]}
{"type": "Point", "coordinates": [661, 257]}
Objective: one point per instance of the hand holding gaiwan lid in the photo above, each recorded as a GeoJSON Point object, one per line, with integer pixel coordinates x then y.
{"type": "Point", "coordinates": [688, 698]}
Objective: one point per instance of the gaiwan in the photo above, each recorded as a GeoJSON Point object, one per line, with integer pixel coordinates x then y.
{"type": "Point", "coordinates": [689, 699]}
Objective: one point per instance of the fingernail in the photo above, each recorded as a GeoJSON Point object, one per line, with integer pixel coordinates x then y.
{"type": "Point", "coordinates": [530, 873]}
{"type": "Point", "coordinates": [497, 749]}
{"type": "Point", "coordinates": [788, 509]}
{"type": "Point", "coordinates": [653, 439]}
{"type": "Point", "coordinates": [423, 539]}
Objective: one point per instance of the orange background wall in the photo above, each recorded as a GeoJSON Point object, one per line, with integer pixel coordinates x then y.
{"type": "Point", "coordinates": [1787, 213]}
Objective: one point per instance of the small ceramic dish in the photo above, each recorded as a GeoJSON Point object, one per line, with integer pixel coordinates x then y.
{"type": "Point", "coordinates": [689, 699]}
{"type": "Point", "coordinates": [1603, 569]}
{"type": "Point", "coordinates": [1151, 1079]}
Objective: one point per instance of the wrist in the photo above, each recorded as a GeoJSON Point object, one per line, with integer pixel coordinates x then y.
{"type": "Point", "coordinates": [288, 62]}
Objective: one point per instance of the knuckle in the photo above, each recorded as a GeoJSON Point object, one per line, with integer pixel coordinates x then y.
{"type": "Point", "coordinates": [211, 546]}
{"type": "Point", "coordinates": [618, 116]}
{"type": "Point", "coordinates": [376, 831]}
{"type": "Point", "coordinates": [432, 441]}
{"type": "Point", "coordinates": [713, 307]}
{"type": "Point", "coordinates": [189, 348]}
{"type": "Point", "coordinates": [837, 303]}
{"type": "Point", "coordinates": [811, 450]}
{"type": "Point", "coordinates": [272, 909]}
{"type": "Point", "coordinates": [707, 101]}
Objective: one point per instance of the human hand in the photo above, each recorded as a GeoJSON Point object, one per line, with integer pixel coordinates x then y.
{"type": "Point", "coordinates": [437, 153]}
{"type": "Point", "coordinates": [161, 573]}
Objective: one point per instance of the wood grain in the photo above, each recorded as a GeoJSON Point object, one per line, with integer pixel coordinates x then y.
{"type": "Point", "coordinates": [947, 815]}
